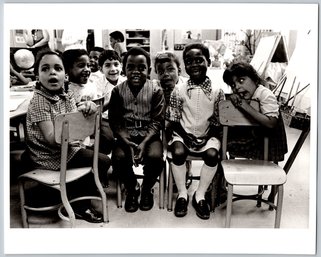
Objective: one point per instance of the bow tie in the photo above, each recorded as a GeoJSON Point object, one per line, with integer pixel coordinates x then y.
{"type": "Point", "coordinates": [205, 86]}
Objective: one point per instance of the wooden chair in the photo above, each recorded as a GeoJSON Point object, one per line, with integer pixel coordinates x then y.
{"type": "Point", "coordinates": [215, 183]}
{"type": "Point", "coordinates": [68, 128]}
{"type": "Point", "coordinates": [247, 172]}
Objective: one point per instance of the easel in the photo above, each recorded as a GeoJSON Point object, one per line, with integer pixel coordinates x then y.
{"type": "Point", "coordinates": [269, 49]}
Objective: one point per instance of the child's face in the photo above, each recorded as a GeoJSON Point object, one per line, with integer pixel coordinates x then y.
{"type": "Point", "coordinates": [51, 72]}
{"type": "Point", "coordinates": [137, 70]}
{"type": "Point", "coordinates": [111, 69]}
{"type": "Point", "coordinates": [196, 65]}
{"type": "Point", "coordinates": [93, 57]}
{"type": "Point", "coordinates": [243, 86]}
{"type": "Point", "coordinates": [80, 71]}
{"type": "Point", "coordinates": [168, 74]}
{"type": "Point", "coordinates": [112, 41]}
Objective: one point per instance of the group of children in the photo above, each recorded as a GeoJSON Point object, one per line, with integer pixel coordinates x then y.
{"type": "Point", "coordinates": [135, 112]}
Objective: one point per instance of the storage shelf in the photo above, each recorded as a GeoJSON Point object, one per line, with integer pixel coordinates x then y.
{"type": "Point", "coordinates": [138, 38]}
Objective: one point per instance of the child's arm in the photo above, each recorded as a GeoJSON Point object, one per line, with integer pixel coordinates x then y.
{"type": "Point", "coordinates": [157, 120]}
{"type": "Point", "coordinates": [47, 129]}
{"type": "Point", "coordinates": [22, 78]}
{"type": "Point", "coordinates": [43, 41]}
{"type": "Point", "coordinates": [264, 120]}
{"type": "Point", "coordinates": [116, 121]}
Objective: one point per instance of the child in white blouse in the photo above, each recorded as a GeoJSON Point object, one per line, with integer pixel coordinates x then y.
{"type": "Point", "coordinates": [193, 114]}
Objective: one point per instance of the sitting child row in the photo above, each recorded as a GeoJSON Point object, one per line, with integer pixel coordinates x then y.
{"type": "Point", "coordinates": [136, 109]}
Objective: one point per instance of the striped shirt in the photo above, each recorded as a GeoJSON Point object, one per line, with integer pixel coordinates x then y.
{"type": "Point", "coordinates": [127, 109]}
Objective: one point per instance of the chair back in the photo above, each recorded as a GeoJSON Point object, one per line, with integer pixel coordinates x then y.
{"type": "Point", "coordinates": [100, 102]}
{"type": "Point", "coordinates": [71, 127]}
{"type": "Point", "coordinates": [76, 125]}
{"type": "Point", "coordinates": [230, 115]}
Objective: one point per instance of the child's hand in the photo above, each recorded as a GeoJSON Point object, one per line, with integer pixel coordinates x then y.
{"type": "Point", "coordinates": [87, 108]}
{"type": "Point", "coordinates": [236, 100]}
{"type": "Point", "coordinates": [139, 151]}
{"type": "Point", "coordinates": [189, 140]}
{"type": "Point", "coordinates": [199, 143]}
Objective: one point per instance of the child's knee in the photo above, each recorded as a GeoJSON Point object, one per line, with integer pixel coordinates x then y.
{"type": "Point", "coordinates": [211, 157]}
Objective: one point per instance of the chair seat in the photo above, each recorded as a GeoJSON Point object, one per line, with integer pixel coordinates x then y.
{"type": "Point", "coordinates": [52, 178]}
{"type": "Point", "coordinates": [253, 172]}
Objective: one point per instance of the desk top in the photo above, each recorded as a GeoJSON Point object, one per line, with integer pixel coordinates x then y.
{"type": "Point", "coordinates": [19, 102]}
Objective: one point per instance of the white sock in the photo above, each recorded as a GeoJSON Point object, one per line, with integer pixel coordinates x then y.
{"type": "Point", "coordinates": [179, 174]}
{"type": "Point", "coordinates": [206, 176]}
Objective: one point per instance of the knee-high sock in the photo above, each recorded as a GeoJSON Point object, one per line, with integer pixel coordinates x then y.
{"type": "Point", "coordinates": [206, 176]}
{"type": "Point", "coordinates": [179, 174]}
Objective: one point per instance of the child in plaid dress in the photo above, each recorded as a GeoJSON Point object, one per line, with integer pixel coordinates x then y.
{"type": "Point", "coordinates": [49, 100]}
{"type": "Point", "coordinates": [244, 142]}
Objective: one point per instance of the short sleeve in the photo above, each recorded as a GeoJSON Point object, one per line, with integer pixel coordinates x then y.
{"type": "Point", "coordinates": [39, 109]}
{"type": "Point", "coordinates": [268, 102]}
{"type": "Point", "coordinates": [175, 107]}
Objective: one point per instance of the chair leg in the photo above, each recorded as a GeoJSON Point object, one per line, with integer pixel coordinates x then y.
{"type": "Point", "coordinates": [67, 206]}
{"type": "Point", "coordinates": [259, 198]}
{"type": "Point", "coordinates": [229, 206]}
{"type": "Point", "coordinates": [22, 203]}
{"type": "Point", "coordinates": [118, 189]}
{"type": "Point", "coordinates": [170, 189]}
{"type": "Point", "coordinates": [279, 207]}
{"type": "Point", "coordinates": [214, 192]}
{"type": "Point", "coordinates": [271, 196]}
{"type": "Point", "coordinates": [161, 189]}
{"type": "Point", "coordinates": [103, 198]}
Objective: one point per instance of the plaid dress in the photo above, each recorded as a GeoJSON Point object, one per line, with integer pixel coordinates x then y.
{"type": "Point", "coordinates": [248, 142]}
{"type": "Point", "coordinates": [45, 106]}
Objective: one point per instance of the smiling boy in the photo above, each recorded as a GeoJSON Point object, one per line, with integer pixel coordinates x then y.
{"type": "Point", "coordinates": [136, 115]}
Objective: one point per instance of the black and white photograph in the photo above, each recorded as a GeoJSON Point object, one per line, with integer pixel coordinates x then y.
{"type": "Point", "coordinates": [160, 128]}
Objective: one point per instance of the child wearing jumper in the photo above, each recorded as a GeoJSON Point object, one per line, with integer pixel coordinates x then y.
{"type": "Point", "coordinates": [49, 100]}
{"type": "Point", "coordinates": [193, 114]}
{"type": "Point", "coordinates": [247, 85]}
{"type": "Point", "coordinates": [136, 116]}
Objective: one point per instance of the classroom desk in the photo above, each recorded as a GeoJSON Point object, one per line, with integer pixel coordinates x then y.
{"type": "Point", "coordinates": [19, 102]}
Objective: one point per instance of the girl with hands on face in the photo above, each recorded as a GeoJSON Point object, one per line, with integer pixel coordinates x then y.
{"type": "Point", "coordinates": [247, 85]}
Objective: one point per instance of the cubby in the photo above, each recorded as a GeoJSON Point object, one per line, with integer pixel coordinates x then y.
{"type": "Point", "coordinates": [138, 37]}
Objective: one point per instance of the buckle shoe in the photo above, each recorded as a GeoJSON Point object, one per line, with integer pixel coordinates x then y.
{"type": "Point", "coordinates": [180, 209]}
{"type": "Point", "coordinates": [89, 215]}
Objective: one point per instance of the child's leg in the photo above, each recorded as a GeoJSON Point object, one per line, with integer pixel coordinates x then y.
{"type": "Point", "coordinates": [106, 138]}
{"type": "Point", "coordinates": [123, 166]}
{"type": "Point", "coordinates": [84, 157]}
{"type": "Point", "coordinates": [179, 154]}
{"type": "Point", "coordinates": [207, 173]}
{"type": "Point", "coordinates": [86, 185]}
{"type": "Point", "coordinates": [153, 162]}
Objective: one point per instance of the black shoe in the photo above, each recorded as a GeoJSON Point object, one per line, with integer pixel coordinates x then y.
{"type": "Point", "coordinates": [89, 215]}
{"type": "Point", "coordinates": [131, 203]}
{"type": "Point", "coordinates": [180, 209]}
{"type": "Point", "coordinates": [201, 208]}
{"type": "Point", "coordinates": [146, 200]}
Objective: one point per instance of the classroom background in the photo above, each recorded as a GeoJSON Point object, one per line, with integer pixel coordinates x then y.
{"type": "Point", "coordinates": [277, 55]}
